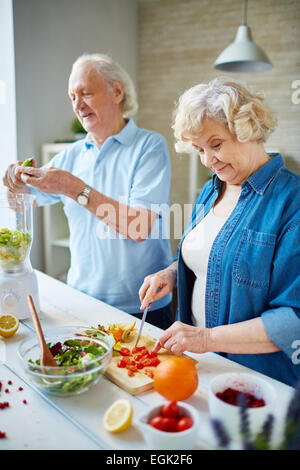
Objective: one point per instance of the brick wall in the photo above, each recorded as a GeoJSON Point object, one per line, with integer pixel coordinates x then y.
{"type": "Point", "coordinates": [179, 41]}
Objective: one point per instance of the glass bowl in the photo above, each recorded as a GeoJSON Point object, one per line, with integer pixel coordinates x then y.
{"type": "Point", "coordinates": [67, 380]}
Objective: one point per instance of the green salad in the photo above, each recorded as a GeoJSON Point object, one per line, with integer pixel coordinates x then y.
{"type": "Point", "coordinates": [13, 247]}
{"type": "Point", "coordinates": [80, 362]}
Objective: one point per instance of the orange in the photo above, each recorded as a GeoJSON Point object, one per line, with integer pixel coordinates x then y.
{"type": "Point", "coordinates": [176, 378]}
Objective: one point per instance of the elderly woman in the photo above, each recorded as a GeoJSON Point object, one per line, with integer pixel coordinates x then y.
{"type": "Point", "coordinates": [238, 262]}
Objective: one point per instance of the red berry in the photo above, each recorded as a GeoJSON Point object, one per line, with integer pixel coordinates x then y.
{"type": "Point", "coordinates": [6, 390]}
{"type": "Point", "coordinates": [20, 389]}
{"type": "Point", "coordinates": [157, 422]}
{"type": "Point", "coordinates": [184, 423]}
{"type": "Point", "coordinates": [9, 382]}
{"type": "Point", "coordinates": [2, 435]}
{"type": "Point", "coordinates": [4, 405]}
{"type": "Point", "coordinates": [170, 424]}
{"type": "Point", "coordinates": [232, 396]}
{"type": "Point", "coordinates": [170, 410]}
{"type": "Point", "coordinates": [25, 402]}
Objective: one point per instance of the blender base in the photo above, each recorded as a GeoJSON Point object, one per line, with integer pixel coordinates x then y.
{"type": "Point", "coordinates": [14, 289]}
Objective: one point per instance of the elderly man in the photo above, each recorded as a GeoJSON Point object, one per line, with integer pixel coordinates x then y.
{"type": "Point", "coordinates": [112, 185]}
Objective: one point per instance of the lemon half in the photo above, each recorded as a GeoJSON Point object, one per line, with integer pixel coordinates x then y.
{"type": "Point", "coordinates": [9, 324]}
{"type": "Point", "coordinates": [118, 416]}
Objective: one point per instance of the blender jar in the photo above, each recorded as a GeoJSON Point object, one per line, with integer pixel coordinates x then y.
{"type": "Point", "coordinates": [17, 278]}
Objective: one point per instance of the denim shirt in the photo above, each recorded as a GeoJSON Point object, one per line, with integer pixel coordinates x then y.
{"type": "Point", "coordinates": [254, 266]}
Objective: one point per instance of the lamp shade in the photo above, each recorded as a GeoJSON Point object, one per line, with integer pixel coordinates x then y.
{"type": "Point", "coordinates": [243, 55]}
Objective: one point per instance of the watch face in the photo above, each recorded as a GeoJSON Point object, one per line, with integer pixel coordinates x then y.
{"type": "Point", "coordinates": [82, 200]}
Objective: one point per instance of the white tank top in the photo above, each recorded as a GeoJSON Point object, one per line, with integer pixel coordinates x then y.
{"type": "Point", "coordinates": [195, 251]}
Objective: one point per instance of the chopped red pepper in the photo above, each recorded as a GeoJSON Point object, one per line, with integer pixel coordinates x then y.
{"type": "Point", "coordinates": [149, 373]}
{"type": "Point", "coordinates": [137, 349]}
{"type": "Point", "coordinates": [132, 368]}
{"type": "Point", "coordinates": [152, 354]}
{"type": "Point", "coordinates": [121, 363]}
{"type": "Point", "coordinates": [125, 352]}
{"type": "Point", "coordinates": [154, 361]}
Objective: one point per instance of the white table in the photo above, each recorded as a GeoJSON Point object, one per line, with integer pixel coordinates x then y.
{"type": "Point", "coordinates": [49, 422]}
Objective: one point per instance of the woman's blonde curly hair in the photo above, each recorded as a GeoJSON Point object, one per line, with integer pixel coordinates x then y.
{"type": "Point", "coordinates": [242, 111]}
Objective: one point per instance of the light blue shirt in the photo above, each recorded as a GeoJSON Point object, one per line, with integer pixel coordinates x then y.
{"type": "Point", "coordinates": [132, 167]}
{"type": "Point", "coordinates": [254, 266]}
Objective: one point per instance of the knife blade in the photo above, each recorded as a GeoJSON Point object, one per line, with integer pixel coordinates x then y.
{"type": "Point", "coordinates": [142, 325]}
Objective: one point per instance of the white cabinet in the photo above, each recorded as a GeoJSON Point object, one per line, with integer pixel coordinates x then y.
{"type": "Point", "coordinates": [56, 231]}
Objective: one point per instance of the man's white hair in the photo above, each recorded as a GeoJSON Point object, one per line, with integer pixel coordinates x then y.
{"type": "Point", "coordinates": [111, 71]}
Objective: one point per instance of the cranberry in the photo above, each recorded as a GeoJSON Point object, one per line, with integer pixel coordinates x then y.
{"type": "Point", "coordinates": [6, 390]}
{"type": "Point", "coordinates": [232, 396]}
{"type": "Point", "coordinates": [4, 405]}
{"type": "Point", "coordinates": [20, 389]}
{"type": "Point", "coordinates": [25, 402]}
{"type": "Point", "coordinates": [9, 382]}
{"type": "Point", "coordinates": [2, 435]}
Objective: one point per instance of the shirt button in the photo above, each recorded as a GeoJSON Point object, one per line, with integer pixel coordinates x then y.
{"type": "Point", "coordinates": [211, 293]}
{"type": "Point", "coordinates": [214, 258]}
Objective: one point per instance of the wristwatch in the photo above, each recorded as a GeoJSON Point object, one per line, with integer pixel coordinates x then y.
{"type": "Point", "coordinates": [83, 197]}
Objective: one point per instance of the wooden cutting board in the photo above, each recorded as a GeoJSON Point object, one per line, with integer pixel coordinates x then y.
{"type": "Point", "coordinates": [140, 382]}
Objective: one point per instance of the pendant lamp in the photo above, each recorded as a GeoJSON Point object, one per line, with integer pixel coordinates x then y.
{"type": "Point", "coordinates": [243, 55]}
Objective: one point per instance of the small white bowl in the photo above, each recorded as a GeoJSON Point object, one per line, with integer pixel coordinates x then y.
{"type": "Point", "coordinates": [230, 414]}
{"type": "Point", "coordinates": [156, 439]}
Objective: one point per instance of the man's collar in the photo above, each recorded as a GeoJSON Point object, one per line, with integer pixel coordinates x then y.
{"type": "Point", "coordinates": [262, 177]}
{"type": "Point", "coordinates": [125, 136]}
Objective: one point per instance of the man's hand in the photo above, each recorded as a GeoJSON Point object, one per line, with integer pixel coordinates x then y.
{"type": "Point", "coordinates": [181, 337]}
{"type": "Point", "coordinates": [12, 178]}
{"type": "Point", "coordinates": [48, 180]}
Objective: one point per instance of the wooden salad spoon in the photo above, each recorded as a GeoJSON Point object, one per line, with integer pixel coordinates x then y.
{"type": "Point", "coordinates": [46, 358]}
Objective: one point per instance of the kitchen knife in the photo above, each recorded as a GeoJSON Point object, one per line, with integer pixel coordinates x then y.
{"type": "Point", "coordinates": [142, 325]}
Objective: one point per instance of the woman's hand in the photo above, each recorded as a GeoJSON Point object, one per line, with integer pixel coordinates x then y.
{"type": "Point", "coordinates": [156, 286]}
{"type": "Point", "coordinates": [181, 337]}
{"type": "Point", "coordinates": [12, 178]}
{"type": "Point", "coordinates": [48, 180]}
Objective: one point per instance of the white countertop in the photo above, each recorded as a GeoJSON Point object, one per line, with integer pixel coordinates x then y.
{"type": "Point", "coordinates": [76, 422]}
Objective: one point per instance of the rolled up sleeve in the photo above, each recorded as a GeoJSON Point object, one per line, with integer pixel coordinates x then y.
{"type": "Point", "coordinates": [282, 320]}
{"type": "Point", "coordinates": [283, 328]}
